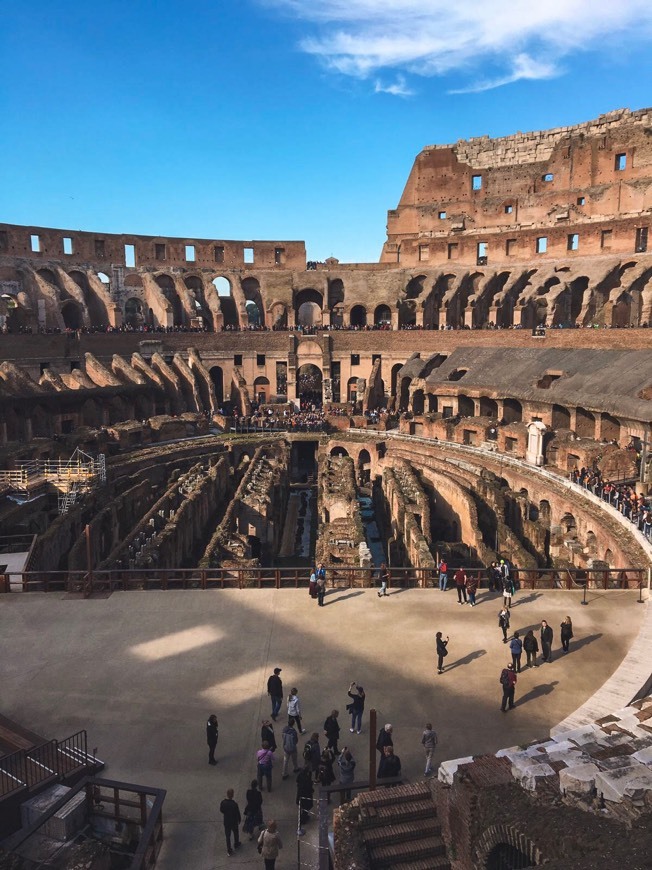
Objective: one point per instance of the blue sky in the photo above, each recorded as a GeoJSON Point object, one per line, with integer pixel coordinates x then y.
{"type": "Point", "coordinates": [284, 119]}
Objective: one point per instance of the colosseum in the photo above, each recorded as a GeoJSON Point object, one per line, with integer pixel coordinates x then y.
{"type": "Point", "coordinates": [206, 417]}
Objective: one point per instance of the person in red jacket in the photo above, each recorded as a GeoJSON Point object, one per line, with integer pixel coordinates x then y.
{"type": "Point", "coordinates": [460, 585]}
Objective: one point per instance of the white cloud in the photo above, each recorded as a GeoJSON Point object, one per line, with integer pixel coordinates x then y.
{"type": "Point", "coordinates": [516, 39]}
{"type": "Point", "coordinates": [398, 89]}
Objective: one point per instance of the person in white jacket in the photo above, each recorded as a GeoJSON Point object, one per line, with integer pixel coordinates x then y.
{"type": "Point", "coordinates": [294, 709]}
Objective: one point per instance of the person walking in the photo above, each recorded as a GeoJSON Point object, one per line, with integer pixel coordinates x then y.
{"type": "Point", "coordinates": [429, 743]}
{"type": "Point", "coordinates": [332, 730]}
{"type": "Point", "coordinates": [264, 764]}
{"type": "Point", "coordinates": [516, 649]}
{"type": "Point", "coordinates": [346, 764]}
{"type": "Point", "coordinates": [508, 590]}
{"type": "Point", "coordinates": [503, 622]}
{"type": "Point", "coordinates": [305, 791]}
{"type": "Point", "coordinates": [267, 733]}
{"type": "Point", "coordinates": [460, 585]}
{"type": "Point", "coordinates": [356, 707]}
{"type": "Point", "coordinates": [383, 578]}
{"type": "Point", "coordinates": [508, 682]}
{"type": "Point", "coordinates": [472, 582]}
{"type": "Point", "coordinates": [253, 811]}
{"type": "Point", "coordinates": [290, 740]}
{"type": "Point", "coordinates": [321, 589]}
{"type": "Point", "coordinates": [442, 651]}
{"type": "Point", "coordinates": [385, 738]}
{"type": "Point", "coordinates": [312, 585]}
{"type": "Point", "coordinates": [531, 647]}
{"type": "Point", "coordinates": [312, 753]}
{"type": "Point", "coordinates": [211, 737]}
{"type": "Point", "coordinates": [546, 641]}
{"type": "Point", "coordinates": [390, 764]}
{"type": "Point", "coordinates": [269, 845]}
{"type": "Point", "coordinates": [443, 575]}
{"type": "Point", "coordinates": [275, 692]}
{"type": "Point", "coordinates": [294, 709]}
{"type": "Point", "coordinates": [231, 813]}
{"type": "Point", "coordinates": [566, 633]}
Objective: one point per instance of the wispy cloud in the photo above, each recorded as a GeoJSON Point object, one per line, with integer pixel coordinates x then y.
{"type": "Point", "coordinates": [397, 89]}
{"type": "Point", "coordinates": [516, 39]}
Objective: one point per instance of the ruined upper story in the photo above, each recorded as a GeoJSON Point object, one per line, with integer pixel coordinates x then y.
{"type": "Point", "coordinates": [570, 191]}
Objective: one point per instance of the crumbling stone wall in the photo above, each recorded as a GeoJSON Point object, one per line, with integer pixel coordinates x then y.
{"type": "Point", "coordinates": [340, 529]}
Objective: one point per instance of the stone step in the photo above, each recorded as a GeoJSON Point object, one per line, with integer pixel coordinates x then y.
{"type": "Point", "coordinates": [432, 862]}
{"type": "Point", "coordinates": [394, 814]}
{"type": "Point", "coordinates": [396, 794]}
{"type": "Point", "coordinates": [398, 833]}
{"type": "Point", "coordinates": [392, 854]}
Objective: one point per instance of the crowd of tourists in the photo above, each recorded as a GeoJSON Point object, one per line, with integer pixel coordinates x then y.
{"type": "Point", "coordinates": [623, 496]}
{"type": "Point", "coordinates": [267, 420]}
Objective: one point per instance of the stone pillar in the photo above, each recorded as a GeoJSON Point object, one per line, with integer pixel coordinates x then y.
{"type": "Point", "coordinates": [468, 316]}
{"type": "Point", "coordinates": [534, 451]}
{"type": "Point", "coordinates": [395, 320]}
{"type": "Point", "coordinates": [419, 316]}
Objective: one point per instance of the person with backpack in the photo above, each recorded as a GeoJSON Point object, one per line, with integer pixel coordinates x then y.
{"type": "Point", "coordinates": [346, 764]}
{"type": "Point", "coordinates": [294, 709]}
{"type": "Point", "coordinates": [253, 811]}
{"type": "Point", "coordinates": [503, 622]}
{"type": "Point", "coordinates": [312, 753]}
{"type": "Point", "coordinates": [332, 731]}
{"type": "Point", "coordinates": [508, 682]}
{"type": "Point", "coordinates": [321, 588]}
{"type": "Point", "coordinates": [290, 740]}
{"type": "Point", "coordinates": [516, 648]}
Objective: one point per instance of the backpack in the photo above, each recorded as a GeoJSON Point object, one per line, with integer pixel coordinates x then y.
{"type": "Point", "coordinates": [307, 751]}
{"type": "Point", "coordinates": [504, 678]}
{"type": "Point", "coordinates": [289, 741]}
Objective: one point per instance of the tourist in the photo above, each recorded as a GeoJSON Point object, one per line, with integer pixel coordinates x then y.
{"type": "Point", "coordinates": [312, 753]}
{"type": "Point", "coordinates": [443, 575]}
{"type": "Point", "coordinates": [390, 764]}
{"type": "Point", "coordinates": [312, 586]}
{"type": "Point", "coordinates": [531, 647]}
{"type": "Point", "coordinates": [472, 588]}
{"type": "Point", "coordinates": [267, 734]}
{"type": "Point", "coordinates": [269, 845]}
{"type": "Point", "coordinates": [460, 585]}
{"type": "Point", "coordinates": [503, 622]}
{"type": "Point", "coordinates": [346, 764]}
{"type": "Point", "coordinates": [566, 633]}
{"type": "Point", "coordinates": [325, 775]}
{"type": "Point", "coordinates": [442, 651]}
{"type": "Point", "coordinates": [211, 737]}
{"type": "Point", "coordinates": [508, 590]}
{"type": "Point", "coordinates": [304, 801]}
{"type": "Point", "coordinates": [356, 707]}
{"type": "Point", "coordinates": [231, 813]}
{"type": "Point", "coordinates": [332, 730]}
{"type": "Point", "coordinates": [383, 577]}
{"type": "Point", "coordinates": [264, 764]}
{"type": "Point", "coordinates": [429, 743]}
{"type": "Point", "coordinates": [321, 588]}
{"type": "Point", "coordinates": [275, 692]}
{"type": "Point", "coordinates": [253, 811]}
{"type": "Point", "coordinates": [546, 641]}
{"type": "Point", "coordinates": [516, 648]}
{"type": "Point", "coordinates": [385, 738]}
{"type": "Point", "coordinates": [294, 709]}
{"type": "Point", "coordinates": [508, 682]}
{"type": "Point", "coordinates": [290, 740]}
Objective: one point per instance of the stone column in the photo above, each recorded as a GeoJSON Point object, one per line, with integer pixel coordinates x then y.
{"type": "Point", "coordinates": [534, 451]}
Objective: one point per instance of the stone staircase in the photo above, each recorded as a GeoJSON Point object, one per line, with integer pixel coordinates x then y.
{"type": "Point", "coordinates": [400, 829]}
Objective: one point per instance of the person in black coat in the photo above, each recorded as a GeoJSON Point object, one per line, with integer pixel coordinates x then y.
{"type": "Point", "coordinates": [305, 791]}
{"type": "Point", "coordinates": [566, 633]}
{"type": "Point", "coordinates": [267, 734]}
{"type": "Point", "coordinates": [211, 738]}
{"type": "Point", "coordinates": [390, 764]}
{"type": "Point", "coordinates": [531, 648]}
{"type": "Point", "coordinates": [546, 641]}
{"type": "Point", "coordinates": [442, 651]}
{"type": "Point", "coordinates": [231, 812]}
{"type": "Point", "coordinates": [275, 692]}
{"type": "Point", "coordinates": [332, 731]}
{"type": "Point", "coordinates": [384, 739]}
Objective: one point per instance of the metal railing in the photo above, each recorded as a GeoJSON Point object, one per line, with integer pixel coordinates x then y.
{"type": "Point", "coordinates": [31, 769]}
{"type": "Point", "coordinates": [86, 583]}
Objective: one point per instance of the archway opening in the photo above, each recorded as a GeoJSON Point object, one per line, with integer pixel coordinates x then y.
{"type": "Point", "coordinates": [227, 303]}
{"type": "Point", "coordinates": [383, 316]}
{"type": "Point", "coordinates": [134, 312]}
{"type": "Point", "coordinates": [407, 314]}
{"type": "Point", "coordinates": [339, 451]}
{"type": "Point", "coordinates": [253, 302]}
{"type": "Point", "coordinates": [217, 378]}
{"type": "Point", "coordinates": [308, 307]}
{"type": "Point", "coordinates": [309, 386]}
{"type": "Point", "coordinates": [512, 411]}
{"type": "Point", "coordinates": [561, 418]}
{"type": "Point", "coordinates": [72, 315]}
{"type": "Point", "coordinates": [169, 290]}
{"type": "Point", "coordinates": [262, 390]}
{"type": "Point", "coordinates": [418, 403]}
{"type": "Point", "coordinates": [465, 406]}
{"type": "Point", "coordinates": [358, 316]}
{"type": "Point", "coordinates": [488, 407]}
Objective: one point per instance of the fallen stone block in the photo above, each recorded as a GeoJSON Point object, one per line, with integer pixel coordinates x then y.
{"type": "Point", "coordinates": [578, 779]}
{"type": "Point", "coordinates": [630, 782]}
{"type": "Point", "coordinates": [447, 769]}
{"type": "Point", "coordinates": [527, 775]}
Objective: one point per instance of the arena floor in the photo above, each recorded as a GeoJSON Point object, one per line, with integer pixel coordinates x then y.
{"type": "Point", "coordinates": [142, 671]}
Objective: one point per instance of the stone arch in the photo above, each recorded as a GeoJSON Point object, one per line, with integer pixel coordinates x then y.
{"type": "Point", "coordinates": [335, 301]}
{"type": "Point", "coordinates": [195, 288]}
{"type": "Point", "coordinates": [591, 548]}
{"type": "Point", "coordinates": [433, 403]}
{"type": "Point", "coordinates": [568, 525]}
{"type": "Point", "coordinates": [512, 411]}
{"type": "Point", "coordinates": [488, 407]}
{"type": "Point", "coordinates": [49, 276]}
{"type": "Point", "coordinates": [382, 316]}
{"type": "Point", "coordinates": [623, 312]}
{"type": "Point", "coordinates": [584, 423]}
{"type": "Point", "coordinates": [418, 403]}
{"type": "Point", "coordinates": [309, 384]}
{"type": "Point", "coordinates": [504, 846]}
{"type": "Point", "coordinates": [228, 307]}
{"type": "Point", "coordinates": [338, 451]}
{"type": "Point", "coordinates": [415, 287]}
{"type": "Point", "coordinates": [253, 301]}
{"type": "Point", "coordinates": [364, 466]}
{"type": "Point", "coordinates": [407, 313]}
{"type": "Point", "coordinates": [308, 304]}
{"type": "Point", "coordinates": [358, 316]}
{"type": "Point", "coordinates": [608, 557]}
{"type": "Point", "coordinates": [352, 390]}
{"type": "Point", "coordinates": [279, 315]}
{"type": "Point", "coordinates": [465, 406]}
{"type": "Point", "coordinates": [262, 390]}
{"type": "Point", "coordinates": [394, 376]}
{"type": "Point", "coordinates": [545, 512]}
{"type": "Point", "coordinates": [217, 378]}
{"type": "Point", "coordinates": [561, 418]}
{"type": "Point", "coordinates": [72, 314]}
{"type": "Point", "coordinates": [104, 278]}
{"type": "Point", "coordinates": [134, 315]}
{"type": "Point", "coordinates": [169, 290]}
{"type": "Point", "coordinates": [610, 427]}
{"type": "Point", "coordinates": [404, 393]}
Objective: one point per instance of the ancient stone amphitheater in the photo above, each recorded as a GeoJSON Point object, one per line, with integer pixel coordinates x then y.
{"type": "Point", "coordinates": [197, 413]}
